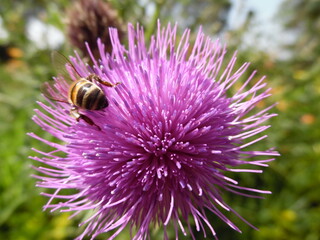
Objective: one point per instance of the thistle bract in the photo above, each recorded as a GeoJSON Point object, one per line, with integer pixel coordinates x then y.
{"type": "Point", "coordinates": [160, 152]}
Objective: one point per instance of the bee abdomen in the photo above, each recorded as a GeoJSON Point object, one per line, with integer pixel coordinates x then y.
{"type": "Point", "coordinates": [87, 95]}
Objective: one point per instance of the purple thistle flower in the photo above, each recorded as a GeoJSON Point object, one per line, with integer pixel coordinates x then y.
{"type": "Point", "coordinates": [165, 142]}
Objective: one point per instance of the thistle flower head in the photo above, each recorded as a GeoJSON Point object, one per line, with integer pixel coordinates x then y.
{"type": "Point", "coordinates": [160, 152]}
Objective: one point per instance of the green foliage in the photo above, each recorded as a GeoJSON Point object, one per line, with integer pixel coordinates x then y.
{"type": "Point", "coordinates": [291, 212]}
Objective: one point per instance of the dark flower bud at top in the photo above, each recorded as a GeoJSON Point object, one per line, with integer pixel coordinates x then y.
{"type": "Point", "coordinates": [89, 20]}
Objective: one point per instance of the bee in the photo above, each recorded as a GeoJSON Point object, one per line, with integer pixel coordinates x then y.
{"type": "Point", "coordinates": [83, 93]}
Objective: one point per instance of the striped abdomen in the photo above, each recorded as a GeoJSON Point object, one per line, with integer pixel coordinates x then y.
{"type": "Point", "coordinates": [87, 95]}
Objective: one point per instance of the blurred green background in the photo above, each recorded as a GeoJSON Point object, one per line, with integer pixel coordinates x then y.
{"type": "Point", "coordinates": [285, 47]}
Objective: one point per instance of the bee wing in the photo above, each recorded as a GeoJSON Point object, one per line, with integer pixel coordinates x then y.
{"type": "Point", "coordinates": [61, 63]}
{"type": "Point", "coordinates": [57, 89]}
{"type": "Point", "coordinates": [53, 91]}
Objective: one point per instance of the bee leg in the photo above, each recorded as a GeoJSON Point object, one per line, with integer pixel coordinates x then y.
{"type": "Point", "coordinates": [93, 77]}
{"type": "Point", "coordinates": [88, 120]}
{"type": "Point", "coordinates": [108, 84]}
{"type": "Point", "coordinates": [74, 113]}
